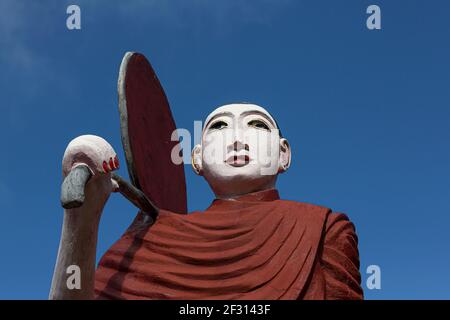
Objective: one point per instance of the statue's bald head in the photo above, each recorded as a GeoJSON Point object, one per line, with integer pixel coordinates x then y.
{"type": "Point", "coordinates": [242, 150]}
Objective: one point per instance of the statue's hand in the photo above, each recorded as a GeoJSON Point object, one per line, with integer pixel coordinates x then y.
{"type": "Point", "coordinates": [87, 165]}
{"type": "Point", "coordinates": [87, 158]}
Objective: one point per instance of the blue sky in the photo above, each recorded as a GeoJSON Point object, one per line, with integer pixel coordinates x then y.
{"type": "Point", "coordinates": [366, 113]}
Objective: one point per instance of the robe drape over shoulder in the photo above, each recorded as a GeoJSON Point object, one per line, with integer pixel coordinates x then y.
{"type": "Point", "coordinates": [253, 247]}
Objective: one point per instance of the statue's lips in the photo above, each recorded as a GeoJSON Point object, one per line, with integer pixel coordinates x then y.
{"type": "Point", "coordinates": [238, 161]}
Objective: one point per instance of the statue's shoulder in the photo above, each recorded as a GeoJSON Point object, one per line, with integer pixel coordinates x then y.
{"type": "Point", "coordinates": [315, 208]}
{"type": "Point", "coordinates": [305, 210]}
{"type": "Point", "coordinates": [317, 214]}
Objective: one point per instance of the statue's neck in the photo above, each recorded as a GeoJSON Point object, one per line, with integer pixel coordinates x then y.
{"type": "Point", "coordinates": [235, 196]}
{"type": "Point", "coordinates": [259, 196]}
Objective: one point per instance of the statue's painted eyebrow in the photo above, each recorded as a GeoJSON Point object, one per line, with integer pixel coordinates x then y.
{"type": "Point", "coordinates": [224, 113]}
{"type": "Point", "coordinates": [230, 114]}
{"type": "Point", "coordinates": [262, 114]}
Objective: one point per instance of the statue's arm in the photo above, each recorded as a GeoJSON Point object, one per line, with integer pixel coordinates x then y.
{"type": "Point", "coordinates": [86, 187]}
{"type": "Point", "coordinates": [340, 259]}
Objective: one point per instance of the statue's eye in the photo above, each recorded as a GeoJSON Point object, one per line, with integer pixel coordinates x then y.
{"type": "Point", "coordinates": [218, 125]}
{"type": "Point", "coordinates": [258, 124]}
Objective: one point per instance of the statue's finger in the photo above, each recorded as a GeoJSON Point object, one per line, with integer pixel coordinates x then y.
{"type": "Point", "coordinates": [72, 189]}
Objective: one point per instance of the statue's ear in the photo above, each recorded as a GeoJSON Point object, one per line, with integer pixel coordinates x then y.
{"type": "Point", "coordinates": [196, 159]}
{"type": "Point", "coordinates": [285, 155]}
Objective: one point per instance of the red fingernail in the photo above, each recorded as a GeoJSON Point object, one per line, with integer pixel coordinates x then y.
{"type": "Point", "coordinates": [116, 162]}
{"type": "Point", "coordinates": [105, 167]}
{"type": "Point", "coordinates": [111, 163]}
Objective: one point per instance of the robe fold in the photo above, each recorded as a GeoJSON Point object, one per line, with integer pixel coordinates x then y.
{"type": "Point", "coordinates": [253, 247]}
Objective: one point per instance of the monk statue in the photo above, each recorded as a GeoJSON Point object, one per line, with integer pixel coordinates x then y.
{"type": "Point", "coordinates": [248, 244]}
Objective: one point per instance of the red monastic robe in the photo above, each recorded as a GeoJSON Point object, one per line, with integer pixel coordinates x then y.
{"type": "Point", "coordinates": [254, 247]}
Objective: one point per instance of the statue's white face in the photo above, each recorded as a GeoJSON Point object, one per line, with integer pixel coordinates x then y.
{"type": "Point", "coordinates": [241, 150]}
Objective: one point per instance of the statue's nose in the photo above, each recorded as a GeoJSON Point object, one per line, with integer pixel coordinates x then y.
{"type": "Point", "coordinates": [238, 133]}
{"type": "Point", "coordinates": [237, 145]}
